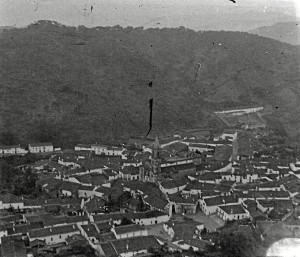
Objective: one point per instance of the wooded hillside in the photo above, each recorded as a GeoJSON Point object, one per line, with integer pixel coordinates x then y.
{"type": "Point", "coordinates": [69, 85]}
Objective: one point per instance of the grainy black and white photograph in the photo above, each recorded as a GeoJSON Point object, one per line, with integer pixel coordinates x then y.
{"type": "Point", "coordinates": [149, 128]}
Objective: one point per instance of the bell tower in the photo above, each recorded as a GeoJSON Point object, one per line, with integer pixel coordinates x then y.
{"type": "Point", "coordinates": [155, 159]}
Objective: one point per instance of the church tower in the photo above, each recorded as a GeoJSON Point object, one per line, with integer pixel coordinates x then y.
{"type": "Point", "coordinates": [155, 159]}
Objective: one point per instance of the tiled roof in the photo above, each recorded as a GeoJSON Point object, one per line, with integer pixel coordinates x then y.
{"type": "Point", "coordinates": [69, 186]}
{"type": "Point", "coordinates": [90, 230]}
{"type": "Point", "coordinates": [183, 230]}
{"type": "Point", "coordinates": [178, 168]}
{"type": "Point", "coordinates": [83, 145]}
{"type": "Point", "coordinates": [128, 229]}
{"type": "Point", "coordinates": [86, 188]}
{"type": "Point", "coordinates": [76, 239]}
{"type": "Point", "coordinates": [144, 187]}
{"type": "Point", "coordinates": [24, 228]}
{"type": "Point", "coordinates": [210, 176]}
{"type": "Point", "coordinates": [50, 220]}
{"type": "Point", "coordinates": [130, 170]}
{"type": "Point", "coordinates": [5, 198]}
{"type": "Point", "coordinates": [155, 201]}
{"type": "Point", "coordinates": [233, 209]}
{"type": "Point", "coordinates": [106, 237]}
{"type": "Point", "coordinates": [77, 219]}
{"type": "Point", "coordinates": [195, 185]}
{"type": "Point", "coordinates": [278, 204]}
{"type": "Point", "coordinates": [135, 244]}
{"type": "Point", "coordinates": [106, 190]}
{"type": "Point", "coordinates": [178, 199]}
{"type": "Point", "coordinates": [210, 193]}
{"type": "Point", "coordinates": [223, 188]}
{"type": "Point", "coordinates": [94, 179]}
{"type": "Point", "coordinates": [146, 215]}
{"type": "Point", "coordinates": [103, 225]}
{"type": "Point", "coordinates": [95, 204]}
{"type": "Point", "coordinates": [40, 144]}
{"type": "Point", "coordinates": [10, 218]}
{"type": "Point", "coordinates": [120, 216]}
{"type": "Point", "coordinates": [107, 217]}
{"type": "Point", "coordinates": [215, 201]}
{"type": "Point", "coordinates": [109, 172]}
{"type": "Point", "coordinates": [173, 183]}
{"type": "Point", "coordinates": [115, 148]}
{"type": "Point", "coordinates": [200, 244]}
{"type": "Point", "coordinates": [44, 232]}
{"type": "Point", "coordinates": [269, 194]}
{"type": "Point", "coordinates": [9, 146]}
{"type": "Point", "coordinates": [108, 249]}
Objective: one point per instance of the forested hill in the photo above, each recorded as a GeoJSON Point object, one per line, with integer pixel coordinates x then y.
{"type": "Point", "coordinates": [67, 84]}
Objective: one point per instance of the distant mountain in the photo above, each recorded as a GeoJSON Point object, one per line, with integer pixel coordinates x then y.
{"type": "Point", "coordinates": [288, 32]}
{"type": "Point", "coordinates": [67, 84]}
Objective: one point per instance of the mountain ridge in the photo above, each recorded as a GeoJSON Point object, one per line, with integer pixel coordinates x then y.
{"type": "Point", "coordinates": [287, 32]}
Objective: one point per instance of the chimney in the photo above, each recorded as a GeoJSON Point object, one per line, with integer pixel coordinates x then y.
{"type": "Point", "coordinates": [50, 229]}
{"type": "Point", "coordinates": [127, 246]}
{"type": "Point", "coordinates": [231, 211]}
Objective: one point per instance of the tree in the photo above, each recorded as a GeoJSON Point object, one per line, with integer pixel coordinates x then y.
{"type": "Point", "coordinates": [8, 138]}
{"type": "Point", "coordinates": [204, 231]}
{"type": "Point", "coordinates": [237, 243]}
{"type": "Point", "coordinates": [126, 221]}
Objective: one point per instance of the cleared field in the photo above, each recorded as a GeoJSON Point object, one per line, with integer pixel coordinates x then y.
{"type": "Point", "coordinates": [247, 120]}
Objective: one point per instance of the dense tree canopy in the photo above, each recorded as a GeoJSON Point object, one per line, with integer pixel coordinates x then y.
{"type": "Point", "coordinates": [59, 81]}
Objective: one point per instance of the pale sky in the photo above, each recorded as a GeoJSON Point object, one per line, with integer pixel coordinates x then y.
{"type": "Point", "coordinates": [148, 13]}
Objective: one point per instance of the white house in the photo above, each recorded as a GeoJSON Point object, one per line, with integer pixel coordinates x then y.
{"type": "Point", "coordinates": [129, 231]}
{"type": "Point", "coordinates": [53, 235]}
{"type": "Point", "coordinates": [40, 147]}
{"type": "Point", "coordinates": [13, 149]}
{"type": "Point", "coordinates": [69, 162]}
{"type": "Point", "coordinates": [83, 147]}
{"type": "Point", "coordinates": [7, 201]}
{"type": "Point", "coordinates": [240, 177]}
{"type": "Point", "coordinates": [130, 173]}
{"type": "Point", "coordinates": [149, 217]}
{"type": "Point", "coordinates": [128, 247]}
{"type": "Point", "coordinates": [107, 150]}
{"type": "Point", "coordinates": [210, 205]}
{"type": "Point", "coordinates": [131, 162]}
{"type": "Point", "coordinates": [228, 135]}
{"type": "Point", "coordinates": [232, 212]}
{"type": "Point", "coordinates": [113, 150]}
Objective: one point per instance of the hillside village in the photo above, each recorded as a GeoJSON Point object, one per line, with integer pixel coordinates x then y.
{"type": "Point", "coordinates": [150, 197]}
